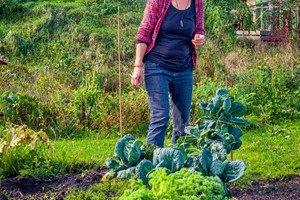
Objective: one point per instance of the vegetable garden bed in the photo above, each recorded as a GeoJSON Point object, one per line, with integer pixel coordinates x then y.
{"type": "Point", "coordinates": [58, 187]}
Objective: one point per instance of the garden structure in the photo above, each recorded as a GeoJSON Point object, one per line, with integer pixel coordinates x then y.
{"type": "Point", "coordinates": [274, 20]}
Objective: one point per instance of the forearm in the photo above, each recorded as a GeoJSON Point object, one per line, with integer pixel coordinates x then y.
{"type": "Point", "coordinates": [140, 53]}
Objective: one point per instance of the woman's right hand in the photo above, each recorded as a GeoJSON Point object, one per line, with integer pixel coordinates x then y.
{"type": "Point", "coordinates": [137, 76]}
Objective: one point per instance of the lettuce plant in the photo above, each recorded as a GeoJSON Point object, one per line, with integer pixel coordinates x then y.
{"type": "Point", "coordinates": [182, 184]}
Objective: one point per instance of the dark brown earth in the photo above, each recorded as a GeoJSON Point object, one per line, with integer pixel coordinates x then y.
{"type": "Point", "coordinates": [58, 187]}
{"type": "Point", "coordinates": [285, 189]}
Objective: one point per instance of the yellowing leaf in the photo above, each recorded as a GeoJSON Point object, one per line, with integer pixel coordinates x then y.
{"type": "Point", "coordinates": [13, 139]}
{"type": "Point", "coordinates": [2, 145]}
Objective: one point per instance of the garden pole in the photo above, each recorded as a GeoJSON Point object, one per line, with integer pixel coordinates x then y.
{"type": "Point", "coordinates": [226, 83]}
{"type": "Point", "coordinates": [120, 77]}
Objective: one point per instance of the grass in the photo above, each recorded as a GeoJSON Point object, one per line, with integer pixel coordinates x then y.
{"type": "Point", "coordinates": [271, 152]}
{"type": "Point", "coordinates": [89, 151]}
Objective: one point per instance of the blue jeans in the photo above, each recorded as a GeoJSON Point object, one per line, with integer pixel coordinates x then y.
{"type": "Point", "coordinates": [159, 83]}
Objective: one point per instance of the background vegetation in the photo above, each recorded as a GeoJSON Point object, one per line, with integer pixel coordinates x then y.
{"type": "Point", "coordinates": [62, 77]}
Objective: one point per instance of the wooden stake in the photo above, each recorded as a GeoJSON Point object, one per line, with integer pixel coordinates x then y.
{"type": "Point", "coordinates": [120, 77]}
{"type": "Point", "coordinates": [226, 83]}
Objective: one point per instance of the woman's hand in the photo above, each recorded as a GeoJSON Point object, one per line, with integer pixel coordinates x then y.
{"type": "Point", "coordinates": [137, 76]}
{"type": "Point", "coordinates": [199, 40]}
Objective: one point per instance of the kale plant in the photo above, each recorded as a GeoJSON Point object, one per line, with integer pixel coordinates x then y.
{"type": "Point", "coordinates": [220, 127]}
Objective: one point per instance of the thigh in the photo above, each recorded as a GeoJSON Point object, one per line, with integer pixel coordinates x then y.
{"type": "Point", "coordinates": [156, 79]}
{"type": "Point", "coordinates": [157, 86]}
{"type": "Point", "coordinates": [181, 90]}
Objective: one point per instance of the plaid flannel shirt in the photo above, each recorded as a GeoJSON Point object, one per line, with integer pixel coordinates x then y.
{"type": "Point", "coordinates": [154, 13]}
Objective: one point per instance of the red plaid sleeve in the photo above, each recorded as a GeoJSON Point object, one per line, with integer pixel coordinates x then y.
{"type": "Point", "coordinates": [199, 18]}
{"type": "Point", "coordinates": [148, 22]}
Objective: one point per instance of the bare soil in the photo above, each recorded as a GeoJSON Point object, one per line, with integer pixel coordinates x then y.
{"type": "Point", "coordinates": [58, 187]}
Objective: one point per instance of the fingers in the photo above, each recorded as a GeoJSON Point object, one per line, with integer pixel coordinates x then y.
{"type": "Point", "coordinates": [199, 40]}
{"type": "Point", "coordinates": [136, 81]}
{"type": "Point", "coordinates": [137, 76]}
{"type": "Point", "coordinates": [198, 43]}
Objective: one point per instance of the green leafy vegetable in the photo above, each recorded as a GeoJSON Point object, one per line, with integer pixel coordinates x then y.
{"type": "Point", "coordinates": [217, 168]}
{"type": "Point", "coordinates": [221, 92]}
{"type": "Point", "coordinates": [120, 146]}
{"type": "Point", "coordinates": [142, 170]}
{"type": "Point", "coordinates": [132, 151]}
{"type": "Point", "coordinates": [111, 163]}
{"type": "Point", "coordinates": [126, 173]}
{"type": "Point", "coordinates": [169, 158]}
{"type": "Point", "coordinates": [181, 185]}
{"type": "Point", "coordinates": [238, 109]}
{"type": "Point", "coordinates": [205, 160]}
{"type": "Point", "coordinates": [233, 170]}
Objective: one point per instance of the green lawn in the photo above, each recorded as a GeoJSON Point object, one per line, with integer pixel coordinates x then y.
{"type": "Point", "coordinates": [90, 151]}
{"type": "Point", "coordinates": [272, 152]}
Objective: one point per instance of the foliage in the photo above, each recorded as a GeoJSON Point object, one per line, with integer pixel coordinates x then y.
{"type": "Point", "coordinates": [222, 18]}
{"type": "Point", "coordinates": [220, 126]}
{"type": "Point", "coordinates": [19, 108]}
{"type": "Point", "coordinates": [169, 158]}
{"type": "Point", "coordinates": [63, 56]}
{"type": "Point", "coordinates": [271, 93]}
{"type": "Point", "coordinates": [8, 6]}
{"type": "Point", "coordinates": [24, 151]}
{"type": "Point", "coordinates": [182, 184]}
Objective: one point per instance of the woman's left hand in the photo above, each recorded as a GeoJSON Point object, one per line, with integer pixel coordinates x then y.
{"type": "Point", "coordinates": [199, 40]}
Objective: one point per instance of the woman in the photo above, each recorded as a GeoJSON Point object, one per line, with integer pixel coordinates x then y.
{"type": "Point", "coordinates": [166, 45]}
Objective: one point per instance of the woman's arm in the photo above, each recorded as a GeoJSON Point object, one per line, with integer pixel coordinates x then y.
{"type": "Point", "coordinates": [137, 75]}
